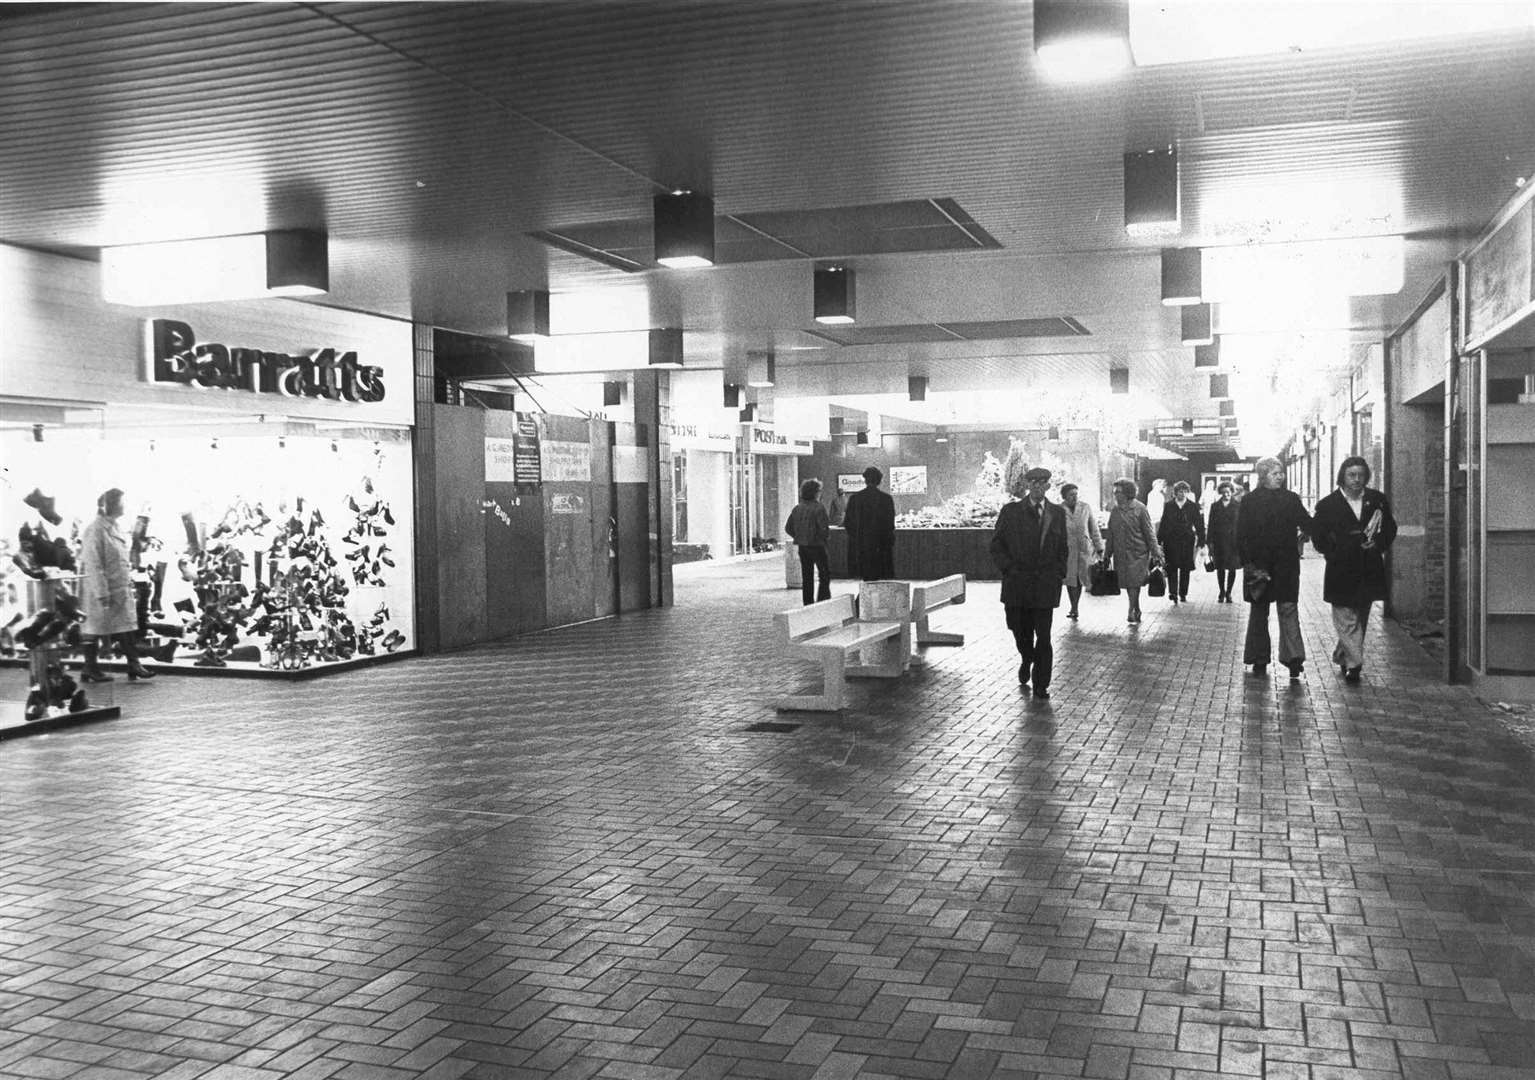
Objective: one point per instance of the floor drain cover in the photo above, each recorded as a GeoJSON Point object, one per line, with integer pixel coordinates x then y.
{"type": "Point", "coordinates": [779, 726]}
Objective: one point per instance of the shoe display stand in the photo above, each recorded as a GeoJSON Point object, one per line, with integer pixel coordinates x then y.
{"type": "Point", "coordinates": [54, 698]}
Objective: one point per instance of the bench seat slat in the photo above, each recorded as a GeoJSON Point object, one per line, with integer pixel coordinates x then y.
{"type": "Point", "coordinates": [851, 636]}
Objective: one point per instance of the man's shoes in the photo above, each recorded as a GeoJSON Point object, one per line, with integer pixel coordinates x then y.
{"type": "Point", "coordinates": [1296, 667]}
{"type": "Point", "coordinates": [1351, 674]}
{"type": "Point", "coordinates": [1260, 670]}
{"type": "Point", "coordinates": [1072, 614]}
{"type": "Point", "coordinates": [1135, 616]}
{"type": "Point", "coordinates": [1041, 695]}
{"type": "Point", "coordinates": [1182, 599]}
{"type": "Point", "coordinates": [1023, 674]}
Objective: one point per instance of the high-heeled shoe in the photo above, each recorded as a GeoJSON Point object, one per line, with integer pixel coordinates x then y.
{"type": "Point", "coordinates": [140, 672]}
{"type": "Point", "coordinates": [95, 676]}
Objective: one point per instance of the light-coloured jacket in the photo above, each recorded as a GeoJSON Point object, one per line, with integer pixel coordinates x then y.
{"type": "Point", "coordinates": [106, 586]}
{"type": "Point", "coordinates": [1132, 544]}
{"type": "Point", "coordinates": [1084, 543]}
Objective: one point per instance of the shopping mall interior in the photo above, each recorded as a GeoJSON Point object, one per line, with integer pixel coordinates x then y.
{"type": "Point", "coordinates": [460, 363]}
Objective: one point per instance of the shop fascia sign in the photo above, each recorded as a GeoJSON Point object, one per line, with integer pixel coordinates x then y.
{"type": "Point", "coordinates": [176, 356]}
{"type": "Point", "coordinates": [764, 440]}
{"type": "Point", "coordinates": [701, 437]}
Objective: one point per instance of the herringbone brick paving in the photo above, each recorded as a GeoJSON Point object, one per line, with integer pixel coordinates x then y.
{"type": "Point", "coordinates": [566, 856]}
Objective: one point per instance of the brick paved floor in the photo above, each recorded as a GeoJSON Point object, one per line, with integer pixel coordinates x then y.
{"type": "Point", "coordinates": [566, 856]}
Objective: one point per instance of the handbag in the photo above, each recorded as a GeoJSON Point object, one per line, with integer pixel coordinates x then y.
{"type": "Point", "coordinates": [1156, 582]}
{"type": "Point", "coordinates": [1255, 582]}
{"type": "Point", "coordinates": [1209, 566]}
{"type": "Point", "coordinates": [1102, 580]}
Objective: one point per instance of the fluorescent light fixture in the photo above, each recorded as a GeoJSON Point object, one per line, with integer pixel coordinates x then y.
{"type": "Point", "coordinates": [684, 230]}
{"type": "Point", "coordinates": [527, 315]}
{"type": "Point", "coordinates": [916, 387]}
{"type": "Point", "coordinates": [834, 295]}
{"type": "Point", "coordinates": [1181, 31]}
{"type": "Point", "coordinates": [1182, 276]}
{"type": "Point", "coordinates": [1080, 41]}
{"type": "Point", "coordinates": [760, 369]}
{"type": "Point", "coordinates": [288, 262]}
{"type": "Point", "coordinates": [1151, 191]}
{"type": "Point", "coordinates": [1198, 324]}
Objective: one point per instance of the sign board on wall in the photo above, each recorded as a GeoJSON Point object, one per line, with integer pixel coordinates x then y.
{"type": "Point", "coordinates": [499, 456]}
{"type": "Point", "coordinates": [702, 437]}
{"type": "Point", "coordinates": [526, 461]}
{"type": "Point", "coordinates": [569, 462]}
{"type": "Point", "coordinates": [764, 440]}
{"type": "Point", "coordinates": [908, 480]}
{"type": "Point", "coordinates": [850, 481]}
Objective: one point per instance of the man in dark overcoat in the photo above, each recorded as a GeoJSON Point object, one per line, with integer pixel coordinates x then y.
{"type": "Point", "coordinates": [1269, 529]}
{"type": "Point", "coordinates": [1353, 529]}
{"type": "Point", "coordinates": [1029, 547]}
{"type": "Point", "coordinates": [870, 524]}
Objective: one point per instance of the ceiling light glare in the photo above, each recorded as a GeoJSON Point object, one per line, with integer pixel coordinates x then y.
{"type": "Point", "coordinates": [1373, 266]}
{"type": "Point", "coordinates": [1183, 31]}
{"type": "Point", "coordinates": [287, 263]}
{"type": "Point", "coordinates": [1077, 42]}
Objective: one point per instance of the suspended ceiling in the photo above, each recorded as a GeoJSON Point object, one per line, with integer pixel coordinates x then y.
{"type": "Point", "coordinates": [455, 152]}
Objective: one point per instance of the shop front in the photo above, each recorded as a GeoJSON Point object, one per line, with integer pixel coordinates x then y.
{"type": "Point", "coordinates": [264, 453]}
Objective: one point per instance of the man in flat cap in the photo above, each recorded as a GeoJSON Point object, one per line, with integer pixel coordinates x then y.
{"type": "Point", "coordinates": [1029, 548]}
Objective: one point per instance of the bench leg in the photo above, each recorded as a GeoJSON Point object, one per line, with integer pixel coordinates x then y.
{"type": "Point", "coordinates": [926, 636]}
{"type": "Point", "coordinates": [833, 690]}
{"type": "Point", "coordinates": [886, 659]}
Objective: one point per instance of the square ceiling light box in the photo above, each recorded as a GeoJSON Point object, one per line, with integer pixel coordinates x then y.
{"type": "Point", "coordinates": [835, 299]}
{"type": "Point", "coordinates": [684, 230]}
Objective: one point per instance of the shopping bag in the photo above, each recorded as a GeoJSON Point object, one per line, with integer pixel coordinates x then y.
{"type": "Point", "coordinates": [1102, 580]}
{"type": "Point", "coordinates": [1156, 582]}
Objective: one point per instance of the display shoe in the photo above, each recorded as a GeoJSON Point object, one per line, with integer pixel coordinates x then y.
{"type": "Point", "coordinates": [165, 653]}
{"type": "Point", "coordinates": [24, 563]}
{"type": "Point", "coordinates": [207, 659]}
{"type": "Point", "coordinates": [186, 607]}
{"type": "Point", "coordinates": [393, 641]}
{"type": "Point", "coordinates": [194, 540]}
{"type": "Point", "coordinates": [78, 703]}
{"type": "Point", "coordinates": [388, 517]}
{"type": "Point", "coordinates": [96, 676]}
{"type": "Point", "coordinates": [37, 704]}
{"type": "Point", "coordinates": [31, 635]}
{"type": "Point", "coordinates": [43, 504]}
{"type": "Point", "coordinates": [316, 521]}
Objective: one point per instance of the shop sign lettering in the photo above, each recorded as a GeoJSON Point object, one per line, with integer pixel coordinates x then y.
{"type": "Point", "coordinates": [176, 356]}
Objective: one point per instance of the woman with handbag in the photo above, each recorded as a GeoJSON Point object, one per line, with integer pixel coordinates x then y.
{"type": "Point", "coordinates": [1084, 545]}
{"type": "Point", "coordinates": [1269, 526]}
{"type": "Point", "coordinates": [1131, 544]}
{"type": "Point", "coordinates": [1222, 535]}
{"type": "Point", "coordinates": [1181, 532]}
{"type": "Point", "coordinates": [1352, 529]}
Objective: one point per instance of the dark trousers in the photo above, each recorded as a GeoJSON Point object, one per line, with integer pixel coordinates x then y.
{"type": "Point", "coordinates": [1258, 647]}
{"type": "Point", "coordinates": [814, 559]}
{"type": "Point", "coordinates": [1031, 633]}
{"type": "Point", "coordinates": [1227, 580]}
{"type": "Point", "coordinates": [1177, 582]}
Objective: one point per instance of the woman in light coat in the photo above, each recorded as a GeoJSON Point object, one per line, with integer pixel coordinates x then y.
{"type": "Point", "coordinates": [107, 591]}
{"type": "Point", "coordinates": [1084, 544]}
{"type": "Point", "coordinates": [1131, 543]}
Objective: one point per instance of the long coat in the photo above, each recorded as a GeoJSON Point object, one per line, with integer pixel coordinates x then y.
{"type": "Point", "coordinates": [1355, 576]}
{"type": "Point", "coordinates": [106, 580]}
{"type": "Point", "coordinates": [1223, 535]}
{"type": "Point", "coordinates": [1268, 529]}
{"type": "Point", "coordinates": [1031, 557]}
{"type": "Point", "coordinates": [870, 524]}
{"type": "Point", "coordinates": [1131, 544]}
{"type": "Point", "coordinates": [1083, 542]}
{"type": "Point", "coordinates": [1180, 532]}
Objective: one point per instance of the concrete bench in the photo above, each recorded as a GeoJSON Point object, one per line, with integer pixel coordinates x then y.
{"type": "Point", "coordinates": [926, 598]}
{"type": "Point", "coordinates": [833, 634]}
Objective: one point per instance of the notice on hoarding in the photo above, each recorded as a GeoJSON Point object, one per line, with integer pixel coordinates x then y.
{"type": "Point", "coordinates": [526, 463]}
{"type": "Point", "coordinates": [567, 503]}
{"type": "Point", "coordinates": [499, 455]}
{"type": "Point", "coordinates": [567, 462]}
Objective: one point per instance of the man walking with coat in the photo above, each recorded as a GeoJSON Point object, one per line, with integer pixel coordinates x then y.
{"type": "Point", "coordinates": [1029, 547]}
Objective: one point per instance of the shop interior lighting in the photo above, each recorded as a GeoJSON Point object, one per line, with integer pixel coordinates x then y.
{"type": "Point", "coordinates": [1181, 276]}
{"type": "Point", "coordinates": [684, 230]}
{"type": "Point", "coordinates": [1081, 40]}
{"type": "Point", "coordinates": [666, 348]}
{"type": "Point", "coordinates": [527, 315]}
{"type": "Point", "coordinates": [1181, 31]}
{"type": "Point", "coordinates": [916, 387]}
{"type": "Point", "coordinates": [1198, 324]}
{"type": "Point", "coordinates": [761, 369]}
{"type": "Point", "coordinates": [1208, 356]}
{"type": "Point", "coordinates": [1151, 192]}
{"type": "Point", "coordinates": [835, 299]}
{"type": "Point", "coordinates": [288, 262]}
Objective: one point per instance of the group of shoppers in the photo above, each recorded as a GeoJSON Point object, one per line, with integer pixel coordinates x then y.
{"type": "Point", "coordinates": [1040, 548]}
{"type": "Point", "coordinates": [869, 518]}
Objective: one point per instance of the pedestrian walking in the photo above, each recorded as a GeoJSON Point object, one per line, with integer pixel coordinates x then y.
{"type": "Point", "coordinates": [1131, 544]}
{"type": "Point", "coordinates": [1270, 528]}
{"type": "Point", "coordinates": [1353, 529]}
{"type": "Point", "coordinates": [1222, 538]}
{"type": "Point", "coordinates": [1029, 547]}
{"type": "Point", "coordinates": [1181, 532]}
{"type": "Point", "coordinates": [1084, 545]}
